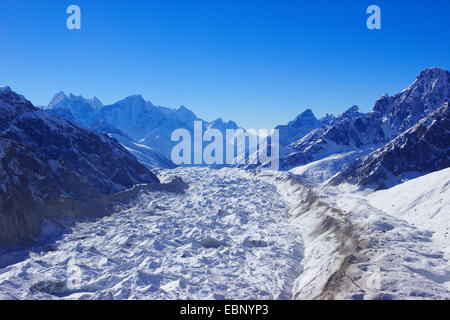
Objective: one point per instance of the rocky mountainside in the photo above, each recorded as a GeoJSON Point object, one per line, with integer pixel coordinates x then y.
{"type": "Point", "coordinates": [390, 117]}
{"type": "Point", "coordinates": [422, 149]}
{"type": "Point", "coordinates": [47, 162]}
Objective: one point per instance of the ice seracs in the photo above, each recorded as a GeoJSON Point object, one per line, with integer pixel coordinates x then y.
{"type": "Point", "coordinates": [219, 240]}
{"type": "Point", "coordinates": [423, 202]}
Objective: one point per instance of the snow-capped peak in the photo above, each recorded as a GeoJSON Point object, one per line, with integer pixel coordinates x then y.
{"type": "Point", "coordinates": [351, 113]}
{"type": "Point", "coordinates": [12, 98]}
{"type": "Point", "coordinates": [184, 114]}
{"type": "Point", "coordinates": [436, 72]}
{"type": "Point", "coordinates": [134, 99]}
{"type": "Point", "coordinates": [4, 88]}
{"type": "Point", "coordinates": [96, 103]}
{"type": "Point", "coordinates": [182, 108]}
{"type": "Point", "coordinates": [306, 116]}
{"type": "Point", "coordinates": [61, 100]}
{"type": "Point", "coordinates": [60, 96]}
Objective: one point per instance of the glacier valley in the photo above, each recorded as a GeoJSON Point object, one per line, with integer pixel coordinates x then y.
{"type": "Point", "coordinates": [236, 234]}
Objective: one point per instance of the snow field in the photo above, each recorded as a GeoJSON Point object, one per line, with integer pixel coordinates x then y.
{"type": "Point", "coordinates": [397, 259]}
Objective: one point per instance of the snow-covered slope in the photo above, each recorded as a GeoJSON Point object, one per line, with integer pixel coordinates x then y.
{"type": "Point", "coordinates": [146, 155]}
{"type": "Point", "coordinates": [320, 171]}
{"type": "Point", "coordinates": [423, 202]}
{"type": "Point", "coordinates": [394, 258]}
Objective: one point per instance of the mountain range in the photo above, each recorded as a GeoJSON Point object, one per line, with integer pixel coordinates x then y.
{"type": "Point", "coordinates": [420, 150]}
{"type": "Point", "coordinates": [390, 117]}
{"type": "Point", "coordinates": [145, 129]}
{"type": "Point", "coordinates": [145, 124]}
{"type": "Point", "coordinates": [64, 161]}
{"type": "Point", "coordinates": [331, 144]}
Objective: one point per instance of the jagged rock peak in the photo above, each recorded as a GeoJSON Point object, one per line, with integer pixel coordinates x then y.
{"type": "Point", "coordinates": [351, 113]}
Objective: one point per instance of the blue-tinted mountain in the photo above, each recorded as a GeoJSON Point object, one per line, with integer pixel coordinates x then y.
{"type": "Point", "coordinates": [146, 155]}
{"type": "Point", "coordinates": [390, 117]}
{"type": "Point", "coordinates": [298, 128]}
{"type": "Point", "coordinates": [146, 124]}
{"type": "Point", "coordinates": [84, 110]}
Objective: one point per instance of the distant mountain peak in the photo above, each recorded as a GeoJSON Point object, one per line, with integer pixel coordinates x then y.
{"type": "Point", "coordinates": [351, 113]}
{"type": "Point", "coordinates": [14, 102]}
{"type": "Point", "coordinates": [135, 97]}
{"type": "Point", "coordinates": [327, 119]}
{"type": "Point", "coordinates": [62, 100]}
{"type": "Point", "coordinates": [433, 73]}
{"type": "Point", "coordinates": [305, 116]}
{"type": "Point", "coordinates": [427, 80]}
{"type": "Point", "coordinates": [219, 123]}
{"type": "Point", "coordinates": [57, 98]}
{"type": "Point", "coordinates": [307, 113]}
{"type": "Point", "coordinates": [133, 101]}
{"type": "Point", "coordinates": [4, 88]}
{"type": "Point", "coordinates": [185, 114]}
{"type": "Point", "coordinates": [232, 125]}
{"type": "Point", "coordinates": [182, 108]}
{"type": "Point", "coordinates": [299, 127]}
{"type": "Point", "coordinates": [96, 103]}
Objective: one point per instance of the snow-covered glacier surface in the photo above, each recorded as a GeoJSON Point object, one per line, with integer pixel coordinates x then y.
{"type": "Point", "coordinates": [403, 246]}
{"type": "Point", "coordinates": [228, 237]}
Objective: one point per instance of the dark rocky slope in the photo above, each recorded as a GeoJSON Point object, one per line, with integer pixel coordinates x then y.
{"type": "Point", "coordinates": [51, 169]}
{"type": "Point", "coordinates": [391, 116]}
{"type": "Point", "coordinates": [423, 149]}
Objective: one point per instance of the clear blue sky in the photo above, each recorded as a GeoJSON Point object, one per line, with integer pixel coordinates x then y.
{"type": "Point", "coordinates": [259, 62]}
